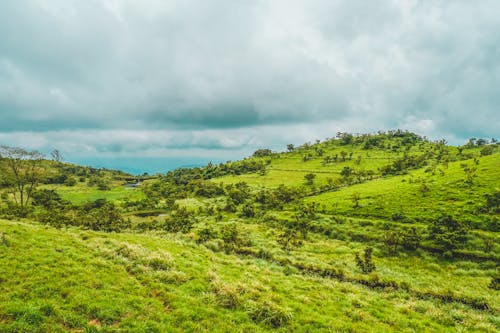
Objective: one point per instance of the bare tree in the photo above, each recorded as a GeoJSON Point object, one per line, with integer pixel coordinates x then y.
{"type": "Point", "coordinates": [21, 168]}
{"type": "Point", "coordinates": [56, 155]}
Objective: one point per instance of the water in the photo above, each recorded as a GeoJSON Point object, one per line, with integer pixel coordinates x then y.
{"type": "Point", "coordinates": [141, 165]}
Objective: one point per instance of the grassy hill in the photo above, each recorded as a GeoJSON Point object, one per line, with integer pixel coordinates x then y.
{"type": "Point", "coordinates": [256, 245]}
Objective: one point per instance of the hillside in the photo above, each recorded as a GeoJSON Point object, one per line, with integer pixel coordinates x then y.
{"type": "Point", "coordinates": [378, 232]}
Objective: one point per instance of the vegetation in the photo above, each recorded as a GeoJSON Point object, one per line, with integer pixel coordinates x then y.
{"type": "Point", "coordinates": [375, 232]}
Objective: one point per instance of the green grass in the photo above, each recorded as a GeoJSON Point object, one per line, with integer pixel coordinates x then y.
{"type": "Point", "coordinates": [446, 192]}
{"type": "Point", "coordinates": [70, 279]}
{"type": "Point", "coordinates": [81, 193]}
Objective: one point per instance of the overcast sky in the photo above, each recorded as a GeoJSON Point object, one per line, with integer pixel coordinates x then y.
{"type": "Point", "coordinates": [214, 80]}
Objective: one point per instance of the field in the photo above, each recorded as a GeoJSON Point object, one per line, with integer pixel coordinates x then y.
{"type": "Point", "coordinates": [198, 255]}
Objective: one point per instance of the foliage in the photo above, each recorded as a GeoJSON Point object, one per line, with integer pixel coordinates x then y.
{"type": "Point", "coordinates": [447, 233]}
{"type": "Point", "coordinates": [289, 239]}
{"type": "Point", "coordinates": [365, 264]}
{"type": "Point", "coordinates": [309, 178]}
{"type": "Point", "coordinates": [181, 220]}
{"type": "Point", "coordinates": [21, 170]}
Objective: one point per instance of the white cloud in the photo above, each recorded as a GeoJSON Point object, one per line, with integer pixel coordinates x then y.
{"type": "Point", "coordinates": [148, 77]}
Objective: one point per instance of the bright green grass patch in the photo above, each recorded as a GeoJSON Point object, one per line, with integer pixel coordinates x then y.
{"type": "Point", "coordinates": [68, 280]}
{"type": "Point", "coordinates": [403, 194]}
{"type": "Point", "coordinates": [81, 193]}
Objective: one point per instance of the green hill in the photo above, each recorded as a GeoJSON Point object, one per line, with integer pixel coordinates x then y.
{"type": "Point", "coordinates": [362, 233]}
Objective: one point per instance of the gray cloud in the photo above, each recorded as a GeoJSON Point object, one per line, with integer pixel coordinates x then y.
{"type": "Point", "coordinates": [213, 72]}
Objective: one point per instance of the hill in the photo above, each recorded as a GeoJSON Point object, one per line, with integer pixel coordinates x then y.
{"type": "Point", "coordinates": [377, 232]}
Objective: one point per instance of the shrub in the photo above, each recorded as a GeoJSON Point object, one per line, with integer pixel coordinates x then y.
{"type": "Point", "coordinates": [309, 178]}
{"type": "Point", "coordinates": [232, 238]}
{"type": "Point", "coordinates": [102, 215]}
{"type": "Point", "coordinates": [289, 239]}
{"type": "Point", "coordinates": [248, 210]}
{"type": "Point", "coordinates": [181, 220]}
{"type": "Point", "coordinates": [447, 234]}
{"type": "Point", "coordinates": [366, 265]}
{"type": "Point", "coordinates": [411, 239]}
{"type": "Point", "coordinates": [205, 234]}
{"type": "Point", "coordinates": [488, 150]}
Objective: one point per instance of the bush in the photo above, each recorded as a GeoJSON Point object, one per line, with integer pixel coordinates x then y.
{"type": "Point", "coordinates": [102, 215]}
{"type": "Point", "coordinates": [232, 238]}
{"type": "Point", "coordinates": [289, 239]}
{"type": "Point", "coordinates": [447, 234]}
{"type": "Point", "coordinates": [367, 266]}
{"type": "Point", "coordinates": [206, 234]}
{"type": "Point", "coordinates": [181, 220]}
{"type": "Point", "coordinates": [488, 150]}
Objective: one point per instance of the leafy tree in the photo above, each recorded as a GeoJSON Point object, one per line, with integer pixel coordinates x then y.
{"type": "Point", "coordinates": [22, 171]}
{"type": "Point", "coordinates": [346, 172]}
{"type": "Point", "coordinates": [205, 234]}
{"type": "Point", "coordinates": [290, 147]}
{"type": "Point", "coordinates": [447, 234]}
{"type": "Point", "coordinates": [248, 210]}
{"type": "Point", "coordinates": [262, 153]}
{"type": "Point", "coordinates": [48, 199]}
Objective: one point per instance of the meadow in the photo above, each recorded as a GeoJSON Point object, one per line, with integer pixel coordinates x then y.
{"type": "Point", "coordinates": [392, 233]}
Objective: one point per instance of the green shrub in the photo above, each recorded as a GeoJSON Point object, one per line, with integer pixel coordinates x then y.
{"type": "Point", "coordinates": [447, 234]}
{"type": "Point", "coordinates": [181, 220]}
{"type": "Point", "coordinates": [366, 265]}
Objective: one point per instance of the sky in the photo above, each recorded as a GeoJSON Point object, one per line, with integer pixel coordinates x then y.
{"type": "Point", "coordinates": [149, 85]}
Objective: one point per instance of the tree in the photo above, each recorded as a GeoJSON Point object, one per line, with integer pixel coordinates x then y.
{"type": "Point", "coordinates": [22, 171]}
{"type": "Point", "coordinates": [56, 155]}
{"type": "Point", "coordinates": [290, 147]}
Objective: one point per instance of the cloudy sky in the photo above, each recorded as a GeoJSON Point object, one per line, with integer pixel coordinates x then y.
{"type": "Point", "coordinates": [169, 82]}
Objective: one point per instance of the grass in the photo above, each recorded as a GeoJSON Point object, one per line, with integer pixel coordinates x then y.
{"type": "Point", "coordinates": [75, 280]}
{"type": "Point", "coordinates": [81, 193]}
